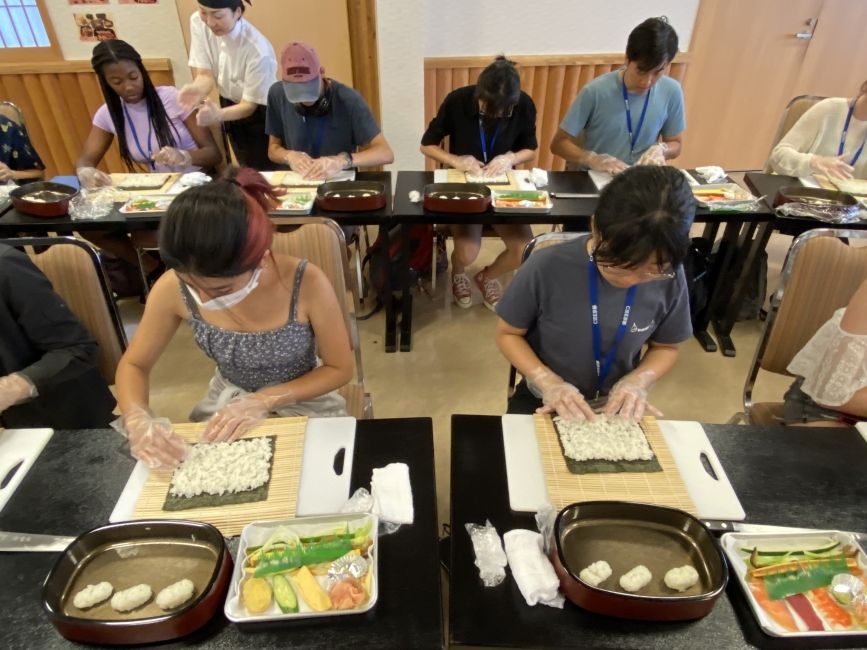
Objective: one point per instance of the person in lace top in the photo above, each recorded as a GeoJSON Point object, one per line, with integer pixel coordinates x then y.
{"type": "Point", "coordinates": [272, 323]}
{"type": "Point", "coordinates": [828, 139]}
{"type": "Point", "coordinates": [832, 370]}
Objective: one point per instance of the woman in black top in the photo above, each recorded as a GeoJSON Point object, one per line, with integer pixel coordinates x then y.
{"type": "Point", "coordinates": [491, 128]}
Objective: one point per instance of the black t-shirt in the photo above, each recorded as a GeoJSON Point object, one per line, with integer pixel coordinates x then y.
{"type": "Point", "coordinates": [458, 118]}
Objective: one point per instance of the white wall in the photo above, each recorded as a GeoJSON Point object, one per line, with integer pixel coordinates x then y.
{"type": "Point", "coordinates": [410, 30]}
{"type": "Point", "coordinates": [152, 29]}
{"type": "Point", "coordinates": [481, 27]}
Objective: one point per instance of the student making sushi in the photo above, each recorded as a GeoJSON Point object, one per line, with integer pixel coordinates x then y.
{"type": "Point", "coordinates": [577, 315]}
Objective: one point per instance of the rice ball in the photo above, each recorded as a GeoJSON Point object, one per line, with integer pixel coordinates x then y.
{"type": "Point", "coordinates": [92, 595]}
{"type": "Point", "coordinates": [681, 578]}
{"type": "Point", "coordinates": [636, 579]}
{"type": "Point", "coordinates": [132, 598]}
{"type": "Point", "coordinates": [596, 573]}
{"type": "Point", "coordinates": [176, 594]}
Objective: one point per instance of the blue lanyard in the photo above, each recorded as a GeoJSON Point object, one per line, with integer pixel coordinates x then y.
{"type": "Point", "coordinates": [845, 131]}
{"type": "Point", "coordinates": [145, 156]}
{"type": "Point", "coordinates": [633, 137]}
{"type": "Point", "coordinates": [315, 141]}
{"type": "Point", "coordinates": [484, 140]}
{"type": "Point", "coordinates": [603, 365]}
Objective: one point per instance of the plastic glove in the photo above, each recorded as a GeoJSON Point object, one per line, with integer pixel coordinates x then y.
{"type": "Point", "coordinates": [238, 416]}
{"type": "Point", "coordinates": [605, 163]}
{"type": "Point", "coordinates": [628, 397]}
{"type": "Point", "coordinates": [559, 396]}
{"type": "Point", "coordinates": [499, 165]}
{"type": "Point", "coordinates": [6, 174]}
{"type": "Point", "coordinates": [172, 157]}
{"type": "Point", "coordinates": [152, 440]}
{"type": "Point", "coordinates": [189, 95]}
{"type": "Point", "coordinates": [209, 113]}
{"type": "Point", "coordinates": [325, 167]}
{"type": "Point", "coordinates": [298, 161]}
{"type": "Point", "coordinates": [653, 155]}
{"type": "Point", "coordinates": [468, 164]}
{"type": "Point", "coordinates": [91, 177]}
{"type": "Point", "coordinates": [15, 388]}
{"type": "Point", "coordinates": [831, 166]}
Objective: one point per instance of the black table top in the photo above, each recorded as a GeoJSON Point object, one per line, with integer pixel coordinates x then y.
{"type": "Point", "coordinates": [768, 185]}
{"type": "Point", "coordinates": [783, 476]}
{"type": "Point", "coordinates": [79, 476]}
{"type": "Point", "coordinates": [13, 221]}
{"type": "Point", "coordinates": [569, 211]}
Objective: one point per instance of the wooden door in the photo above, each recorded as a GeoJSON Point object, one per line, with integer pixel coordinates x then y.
{"type": "Point", "coordinates": [836, 61]}
{"type": "Point", "coordinates": [746, 62]}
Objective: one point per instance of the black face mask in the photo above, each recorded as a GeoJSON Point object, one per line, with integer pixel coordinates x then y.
{"type": "Point", "coordinates": [320, 107]}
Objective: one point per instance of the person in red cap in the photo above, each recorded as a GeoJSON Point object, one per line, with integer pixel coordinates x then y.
{"type": "Point", "coordinates": [315, 125]}
{"type": "Point", "coordinates": [227, 51]}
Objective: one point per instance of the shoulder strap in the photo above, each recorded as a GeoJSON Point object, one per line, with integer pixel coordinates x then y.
{"type": "Point", "coordinates": [296, 288]}
{"type": "Point", "coordinates": [188, 300]}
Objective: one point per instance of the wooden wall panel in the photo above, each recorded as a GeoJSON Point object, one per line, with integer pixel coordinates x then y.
{"type": "Point", "coordinates": [552, 81]}
{"type": "Point", "coordinates": [364, 52]}
{"type": "Point", "coordinates": [59, 100]}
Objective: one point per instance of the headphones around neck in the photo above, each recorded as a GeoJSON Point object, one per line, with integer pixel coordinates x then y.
{"type": "Point", "coordinates": [320, 107]}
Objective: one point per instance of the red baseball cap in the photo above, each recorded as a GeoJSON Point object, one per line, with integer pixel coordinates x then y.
{"type": "Point", "coordinates": [301, 71]}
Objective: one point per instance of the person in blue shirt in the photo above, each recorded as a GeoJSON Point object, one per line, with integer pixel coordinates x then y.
{"type": "Point", "coordinates": [631, 116]}
{"type": "Point", "coordinates": [19, 161]}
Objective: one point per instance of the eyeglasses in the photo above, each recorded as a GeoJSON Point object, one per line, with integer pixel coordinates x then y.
{"type": "Point", "coordinates": [507, 112]}
{"type": "Point", "coordinates": [623, 272]}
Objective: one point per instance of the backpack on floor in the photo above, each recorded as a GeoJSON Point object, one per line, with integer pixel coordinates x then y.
{"type": "Point", "coordinates": [383, 267]}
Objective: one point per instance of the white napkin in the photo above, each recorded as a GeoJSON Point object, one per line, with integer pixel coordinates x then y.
{"type": "Point", "coordinates": [532, 570]}
{"type": "Point", "coordinates": [392, 493]}
{"type": "Point", "coordinates": [600, 179]}
{"type": "Point", "coordinates": [711, 173]}
{"type": "Point", "coordinates": [862, 429]}
{"type": "Point", "coordinates": [539, 177]}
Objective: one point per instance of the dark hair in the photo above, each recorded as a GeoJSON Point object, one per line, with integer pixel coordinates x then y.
{"type": "Point", "coordinates": [115, 51]}
{"type": "Point", "coordinates": [220, 229]}
{"type": "Point", "coordinates": [644, 212]}
{"type": "Point", "coordinates": [652, 44]}
{"type": "Point", "coordinates": [499, 86]}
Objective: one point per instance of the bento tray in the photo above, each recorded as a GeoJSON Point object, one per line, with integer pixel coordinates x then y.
{"type": "Point", "coordinates": [731, 542]}
{"type": "Point", "coordinates": [290, 203]}
{"type": "Point", "coordinates": [735, 194]}
{"type": "Point", "coordinates": [527, 203]}
{"type": "Point", "coordinates": [140, 204]}
{"type": "Point", "coordinates": [255, 533]}
{"type": "Point", "coordinates": [460, 198]}
{"type": "Point", "coordinates": [351, 196]}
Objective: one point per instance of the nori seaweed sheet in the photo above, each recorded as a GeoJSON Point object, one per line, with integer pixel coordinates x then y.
{"type": "Point", "coordinates": [174, 504]}
{"type": "Point", "coordinates": [597, 466]}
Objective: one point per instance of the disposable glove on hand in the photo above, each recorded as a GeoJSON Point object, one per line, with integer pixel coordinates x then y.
{"type": "Point", "coordinates": [325, 167]}
{"type": "Point", "coordinates": [152, 440]}
{"type": "Point", "coordinates": [235, 418]}
{"type": "Point", "coordinates": [559, 396]}
{"type": "Point", "coordinates": [91, 177]}
{"type": "Point", "coordinates": [653, 155]}
{"type": "Point", "coordinates": [605, 163]}
{"type": "Point", "coordinates": [15, 388]}
{"type": "Point", "coordinates": [499, 165]}
{"type": "Point", "coordinates": [831, 166]}
{"type": "Point", "coordinates": [468, 164]}
{"type": "Point", "coordinates": [208, 114]}
{"type": "Point", "coordinates": [173, 157]}
{"type": "Point", "coordinates": [628, 397]}
{"type": "Point", "coordinates": [189, 96]}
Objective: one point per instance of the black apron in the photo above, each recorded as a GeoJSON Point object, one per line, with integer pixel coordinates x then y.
{"type": "Point", "coordinates": [248, 138]}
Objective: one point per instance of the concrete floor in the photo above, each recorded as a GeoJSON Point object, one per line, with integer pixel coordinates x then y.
{"type": "Point", "coordinates": [454, 367]}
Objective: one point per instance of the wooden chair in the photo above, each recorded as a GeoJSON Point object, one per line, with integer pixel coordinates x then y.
{"type": "Point", "coordinates": [820, 275]}
{"type": "Point", "coordinates": [75, 270]}
{"type": "Point", "coordinates": [538, 242]}
{"type": "Point", "coordinates": [791, 114]}
{"type": "Point", "coordinates": [321, 241]}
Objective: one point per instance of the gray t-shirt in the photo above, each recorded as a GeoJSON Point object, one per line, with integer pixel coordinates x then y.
{"type": "Point", "coordinates": [348, 125]}
{"type": "Point", "coordinates": [550, 298]}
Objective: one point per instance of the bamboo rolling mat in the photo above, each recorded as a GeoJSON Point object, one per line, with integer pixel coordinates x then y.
{"type": "Point", "coordinates": [230, 519]}
{"type": "Point", "coordinates": [456, 176]}
{"type": "Point", "coordinates": [118, 181]}
{"type": "Point", "coordinates": [665, 488]}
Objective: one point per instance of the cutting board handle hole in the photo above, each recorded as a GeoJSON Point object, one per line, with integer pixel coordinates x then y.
{"type": "Point", "coordinates": [8, 478]}
{"type": "Point", "coordinates": [339, 459]}
{"type": "Point", "coordinates": [705, 461]}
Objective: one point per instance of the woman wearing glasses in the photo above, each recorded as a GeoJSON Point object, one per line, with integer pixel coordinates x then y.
{"type": "Point", "coordinates": [491, 127]}
{"type": "Point", "coordinates": [576, 317]}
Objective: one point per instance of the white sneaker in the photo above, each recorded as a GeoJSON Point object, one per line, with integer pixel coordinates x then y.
{"type": "Point", "coordinates": [461, 290]}
{"type": "Point", "coordinates": [491, 289]}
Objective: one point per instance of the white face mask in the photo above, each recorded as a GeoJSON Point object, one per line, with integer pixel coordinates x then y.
{"type": "Point", "coordinates": [230, 299]}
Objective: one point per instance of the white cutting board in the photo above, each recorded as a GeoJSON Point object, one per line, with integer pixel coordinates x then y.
{"type": "Point", "coordinates": [321, 490]}
{"type": "Point", "coordinates": [714, 498]}
{"type": "Point", "coordinates": [19, 448]}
